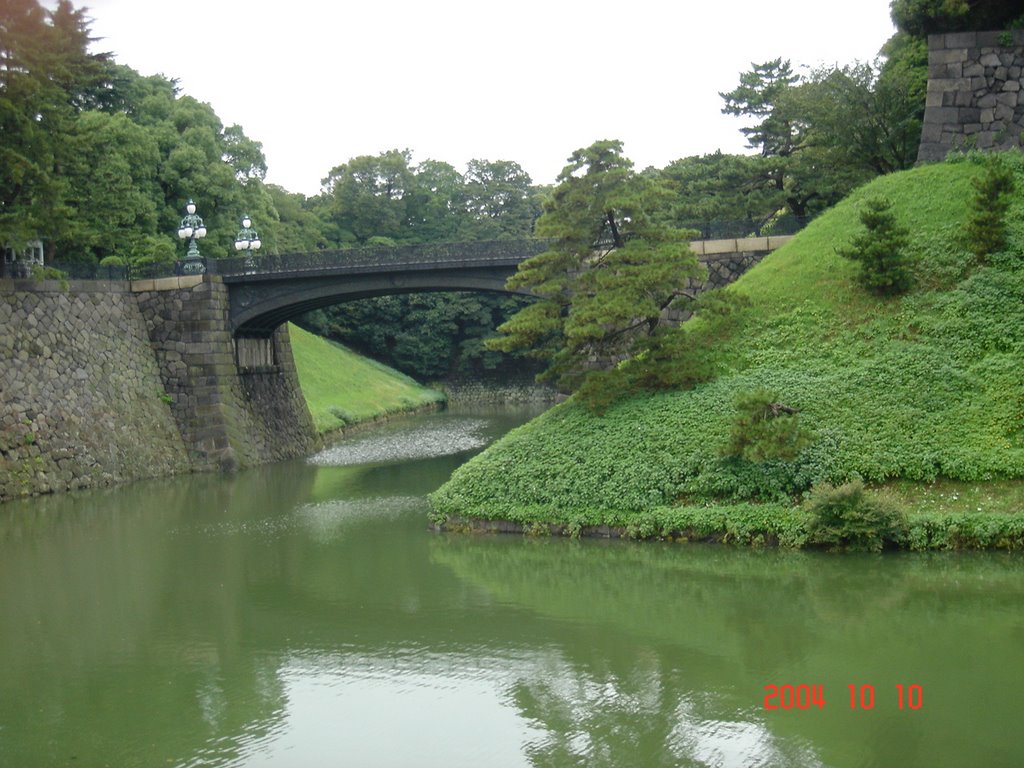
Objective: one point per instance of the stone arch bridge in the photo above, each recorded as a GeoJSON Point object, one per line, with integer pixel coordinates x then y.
{"type": "Point", "coordinates": [222, 345]}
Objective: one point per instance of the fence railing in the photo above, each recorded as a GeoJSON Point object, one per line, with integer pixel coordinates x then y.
{"type": "Point", "coordinates": [473, 253]}
{"type": "Point", "coordinates": [739, 228]}
{"type": "Point", "coordinates": [483, 253]}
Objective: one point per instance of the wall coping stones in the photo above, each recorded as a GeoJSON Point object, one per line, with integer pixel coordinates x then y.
{"type": "Point", "coordinates": [739, 245]}
{"type": "Point", "coordinates": [168, 283]}
{"type": "Point", "coordinates": [28, 285]}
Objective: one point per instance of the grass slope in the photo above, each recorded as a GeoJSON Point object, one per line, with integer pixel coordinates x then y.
{"type": "Point", "coordinates": [343, 388]}
{"type": "Point", "coordinates": [922, 388]}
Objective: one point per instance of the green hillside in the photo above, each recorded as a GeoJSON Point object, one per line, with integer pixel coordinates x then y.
{"type": "Point", "coordinates": [921, 396]}
{"type": "Point", "coordinates": [343, 388]}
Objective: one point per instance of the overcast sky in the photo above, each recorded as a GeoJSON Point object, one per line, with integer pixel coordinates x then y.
{"type": "Point", "coordinates": [319, 82]}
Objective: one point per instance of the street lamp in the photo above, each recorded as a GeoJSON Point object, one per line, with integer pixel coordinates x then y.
{"type": "Point", "coordinates": [247, 240]}
{"type": "Point", "coordinates": [191, 229]}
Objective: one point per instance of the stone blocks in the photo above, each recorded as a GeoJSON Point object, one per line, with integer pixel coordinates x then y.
{"type": "Point", "coordinates": [975, 98]}
{"type": "Point", "coordinates": [103, 383]}
{"type": "Point", "coordinates": [81, 401]}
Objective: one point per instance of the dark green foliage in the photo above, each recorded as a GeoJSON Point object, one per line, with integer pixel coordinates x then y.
{"type": "Point", "coordinates": [721, 195]}
{"type": "Point", "coordinates": [985, 231]}
{"type": "Point", "coordinates": [759, 95]}
{"type": "Point", "coordinates": [47, 78]}
{"type": "Point", "coordinates": [928, 17]}
{"type": "Point", "coordinates": [881, 251]}
{"type": "Point", "coordinates": [849, 518]}
{"type": "Point", "coordinates": [386, 195]}
{"type": "Point", "coordinates": [611, 270]}
{"type": "Point", "coordinates": [428, 336]}
{"type": "Point", "coordinates": [387, 200]}
{"type": "Point", "coordinates": [948, 531]}
{"type": "Point", "coordinates": [820, 136]}
{"type": "Point", "coordinates": [865, 120]}
{"type": "Point", "coordinates": [98, 161]}
{"type": "Point", "coordinates": [750, 524]}
{"type": "Point", "coordinates": [765, 428]}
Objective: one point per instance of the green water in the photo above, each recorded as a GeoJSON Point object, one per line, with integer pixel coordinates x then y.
{"type": "Point", "coordinates": [305, 615]}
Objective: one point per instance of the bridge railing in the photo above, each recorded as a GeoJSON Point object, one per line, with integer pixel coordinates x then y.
{"type": "Point", "coordinates": [741, 228]}
{"type": "Point", "coordinates": [484, 252]}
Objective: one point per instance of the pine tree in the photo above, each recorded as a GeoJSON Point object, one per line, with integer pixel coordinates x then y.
{"type": "Point", "coordinates": [885, 267]}
{"type": "Point", "coordinates": [985, 230]}
{"type": "Point", "coordinates": [609, 274]}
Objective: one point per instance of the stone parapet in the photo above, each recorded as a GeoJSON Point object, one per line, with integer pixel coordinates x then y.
{"type": "Point", "coordinates": [739, 244]}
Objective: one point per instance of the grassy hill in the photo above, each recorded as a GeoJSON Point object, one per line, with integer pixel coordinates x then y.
{"type": "Point", "coordinates": [343, 388]}
{"type": "Point", "coordinates": [920, 396]}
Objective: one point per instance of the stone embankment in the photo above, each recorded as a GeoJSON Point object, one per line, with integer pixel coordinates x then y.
{"type": "Point", "coordinates": [104, 382]}
{"type": "Point", "coordinates": [521, 391]}
{"type": "Point", "coordinates": [81, 399]}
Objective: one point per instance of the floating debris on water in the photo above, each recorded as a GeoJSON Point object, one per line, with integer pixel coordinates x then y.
{"type": "Point", "coordinates": [413, 442]}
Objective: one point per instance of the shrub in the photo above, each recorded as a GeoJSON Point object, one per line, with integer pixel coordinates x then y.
{"type": "Point", "coordinates": [985, 230]}
{"type": "Point", "coordinates": [343, 415]}
{"type": "Point", "coordinates": [881, 251]}
{"type": "Point", "coordinates": [765, 428]}
{"type": "Point", "coordinates": [847, 517]}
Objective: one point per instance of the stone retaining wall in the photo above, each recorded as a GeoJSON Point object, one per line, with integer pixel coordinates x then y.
{"type": "Point", "coordinates": [723, 268]}
{"type": "Point", "coordinates": [488, 391]}
{"type": "Point", "coordinates": [102, 383]}
{"type": "Point", "coordinates": [227, 417]}
{"type": "Point", "coordinates": [975, 93]}
{"type": "Point", "coordinates": [81, 400]}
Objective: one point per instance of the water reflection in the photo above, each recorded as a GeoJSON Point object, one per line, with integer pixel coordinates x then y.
{"type": "Point", "coordinates": [304, 615]}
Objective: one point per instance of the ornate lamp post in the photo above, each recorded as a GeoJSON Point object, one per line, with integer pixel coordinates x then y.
{"type": "Point", "coordinates": [247, 240]}
{"type": "Point", "coordinates": [191, 229]}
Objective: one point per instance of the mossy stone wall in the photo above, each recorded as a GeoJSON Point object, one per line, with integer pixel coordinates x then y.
{"type": "Point", "coordinates": [81, 399]}
{"type": "Point", "coordinates": [102, 383]}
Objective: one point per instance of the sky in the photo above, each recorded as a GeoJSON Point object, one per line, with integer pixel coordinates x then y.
{"type": "Point", "coordinates": [319, 82]}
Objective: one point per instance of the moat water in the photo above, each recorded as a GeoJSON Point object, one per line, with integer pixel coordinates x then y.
{"type": "Point", "coordinates": [305, 615]}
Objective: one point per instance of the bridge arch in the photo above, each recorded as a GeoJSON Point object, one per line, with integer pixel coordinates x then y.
{"type": "Point", "coordinates": [264, 293]}
{"type": "Point", "coordinates": [264, 296]}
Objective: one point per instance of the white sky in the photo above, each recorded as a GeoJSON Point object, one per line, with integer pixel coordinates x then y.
{"type": "Point", "coordinates": [319, 82]}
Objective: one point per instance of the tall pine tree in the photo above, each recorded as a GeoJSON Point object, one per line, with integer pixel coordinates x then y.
{"type": "Point", "coordinates": [609, 275]}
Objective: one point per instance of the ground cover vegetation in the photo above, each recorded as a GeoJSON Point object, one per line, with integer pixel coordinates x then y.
{"type": "Point", "coordinates": [821, 392]}
{"type": "Point", "coordinates": [98, 161]}
{"type": "Point", "coordinates": [342, 388]}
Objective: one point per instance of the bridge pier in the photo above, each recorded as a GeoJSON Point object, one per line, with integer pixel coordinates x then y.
{"type": "Point", "coordinates": [236, 403]}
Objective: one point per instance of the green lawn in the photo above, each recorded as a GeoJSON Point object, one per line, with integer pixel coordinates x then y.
{"type": "Point", "coordinates": [343, 388]}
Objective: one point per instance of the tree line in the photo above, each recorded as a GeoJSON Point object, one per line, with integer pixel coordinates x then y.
{"type": "Point", "coordinates": [98, 161]}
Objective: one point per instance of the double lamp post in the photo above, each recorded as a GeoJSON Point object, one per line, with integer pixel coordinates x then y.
{"type": "Point", "coordinates": [193, 229]}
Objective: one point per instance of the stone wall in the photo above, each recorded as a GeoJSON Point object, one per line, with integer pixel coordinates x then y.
{"type": "Point", "coordinates": [102, 383]}
{"type": "Point", "coordinates": [228, 417]}
{"type": "Point", "coordinates": [81, 400]}
{"type": "Point", "coordinates": [486, 391]}
{"type": "Point", "coordinates": [975, 93]}
{"type": "Point", "coordinates": [723, 268]}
